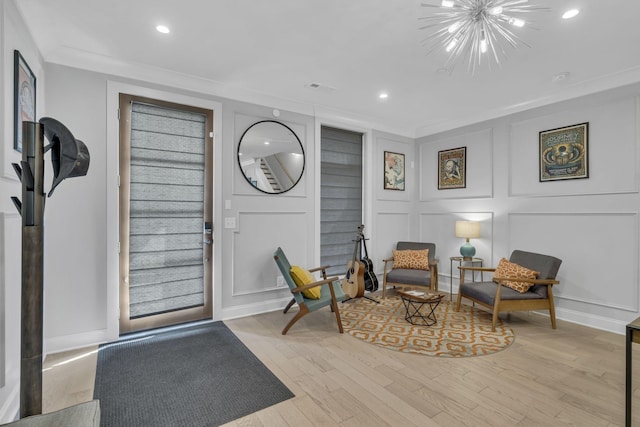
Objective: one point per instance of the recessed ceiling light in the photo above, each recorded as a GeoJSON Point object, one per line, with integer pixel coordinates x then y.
{"type": "Point", "coordinates": [383, 95]}
{"type": "Point", "coordinates": [163, 29]}
{"type": "Point", "coordinates": [570, 13]}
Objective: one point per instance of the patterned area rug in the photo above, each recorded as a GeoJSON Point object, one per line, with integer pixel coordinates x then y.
{"type": "Point", "coordinates": [456, 334]}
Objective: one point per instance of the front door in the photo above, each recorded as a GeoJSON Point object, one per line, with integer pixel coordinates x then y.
{"type": "Point", "coordinates": [166, 209]}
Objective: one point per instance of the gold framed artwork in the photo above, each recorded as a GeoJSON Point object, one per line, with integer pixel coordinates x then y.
{"type": "Point", "coordinates": [24, 97]}
{"type": "Point", "coordinates": [564, 153]}
{"type": "Point", "coordinates": [393, 171]}
{"type": "Point", "coordinates": [452, 168]}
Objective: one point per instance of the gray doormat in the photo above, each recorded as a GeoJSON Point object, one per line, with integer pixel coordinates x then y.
{"type": "Point", "coordinates": [196, 376]}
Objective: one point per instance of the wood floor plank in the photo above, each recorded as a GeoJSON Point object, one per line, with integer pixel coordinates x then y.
{"type": "Point", "coordinates": [571, 376]}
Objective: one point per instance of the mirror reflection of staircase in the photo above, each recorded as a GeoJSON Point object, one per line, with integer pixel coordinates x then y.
{"type": "Point", "coordinates": [266, 170]}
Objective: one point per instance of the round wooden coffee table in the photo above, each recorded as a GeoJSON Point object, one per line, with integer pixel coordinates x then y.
{"type": "Point", "coordinates": [420, 306]}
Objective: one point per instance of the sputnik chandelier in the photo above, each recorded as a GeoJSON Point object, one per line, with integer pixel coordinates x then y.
{"type": "Point", "coordinates": [478, 30]}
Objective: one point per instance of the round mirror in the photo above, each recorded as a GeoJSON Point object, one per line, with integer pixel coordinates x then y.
{"type": "Point", "coordinates": [271, 157]}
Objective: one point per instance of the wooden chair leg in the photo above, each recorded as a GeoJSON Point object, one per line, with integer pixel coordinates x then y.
{"type": "Point", "coordinates": [334, 306]}
{"type": "Point", "coordinates": [496, 308]}
{"type": "Point", "coordinates": [494, 320]}
{"type": "Point", "coordinates": [458, 301]}
{"type": "Point", "coordinates": [552, 308]}
{"type": "Point", "coordinates": [293, 301]}
{"type": "Point", "coordinates": [303, 310]}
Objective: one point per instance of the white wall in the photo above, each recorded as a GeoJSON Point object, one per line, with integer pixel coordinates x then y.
{"type": "Point", "coordinates": [591, 224]}
{"type": "Point", "coordinates": [13, 35]}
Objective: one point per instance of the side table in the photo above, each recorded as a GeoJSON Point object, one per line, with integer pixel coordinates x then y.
{"type": "Point", "coordinates": [460, 260]}
{"type": "Point", "coordinates": [420, 306]}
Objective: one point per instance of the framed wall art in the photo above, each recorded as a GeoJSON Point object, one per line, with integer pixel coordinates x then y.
{"type": "Point", "coordinates": [564, 153]}
{"type": "Point", "coordinates": [452, 168]}
{"type": "Point", "coordinates": [24, 97]}
{"type": "Point", "coordinates": [393, 171]}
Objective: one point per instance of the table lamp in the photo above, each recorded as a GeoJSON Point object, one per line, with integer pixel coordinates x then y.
{"type": "Point", "coordinates": [467, 230]}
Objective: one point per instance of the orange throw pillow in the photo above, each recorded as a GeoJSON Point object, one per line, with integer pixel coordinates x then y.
{"type": "Point", "coordinates": [411, 259]}
{"type": "Point", "coordinates": [510, 270]}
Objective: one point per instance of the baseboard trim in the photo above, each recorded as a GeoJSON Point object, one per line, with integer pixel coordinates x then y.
{"type": "Point", "coordinates": [73, 342]}
{"type": "Point", "coordinates": [253, 309]}
{"type": "Point", "coordinates": [592, 321]}
{"type": "Point", "coordinates": [10, 410]}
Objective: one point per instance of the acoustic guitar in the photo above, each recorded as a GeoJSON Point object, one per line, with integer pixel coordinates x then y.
{"type": "Point", "coordinates": [353, 282]}
{"type": "Point", "coordinates": [370, 278]}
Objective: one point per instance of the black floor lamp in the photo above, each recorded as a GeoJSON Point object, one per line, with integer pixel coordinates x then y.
{"type": "Point", "coordinates": [70, 158]}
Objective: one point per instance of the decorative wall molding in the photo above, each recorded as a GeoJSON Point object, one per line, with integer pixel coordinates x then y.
{"type": "Point", "coordinates": [591, 320]}
{"type": "Point", "coordinates": [259, 307]}
{"type": "Point", "coordinates": [76, 341]}
{"type": "Point", "coordinates": [566, 250]}
{"type": "Point", "coordinates": [243, 228]}
{"type": "Point", "coordinates": [479, 166]}
{"type": "Point", "coordinates": [10, 273]}
{"type": "Point", "coordinates": [10, 409]}
{"type": "Point", "coordinates": [612, 172]}
{"type": "Point", "coordinates": [241, 122]}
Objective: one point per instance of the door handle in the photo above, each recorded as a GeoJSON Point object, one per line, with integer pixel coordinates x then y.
{"type": "Point", "coordinates": [208, 233]}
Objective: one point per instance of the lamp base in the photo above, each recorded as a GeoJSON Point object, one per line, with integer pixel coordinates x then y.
{"type": "Point", "coordinates": [467, 251]}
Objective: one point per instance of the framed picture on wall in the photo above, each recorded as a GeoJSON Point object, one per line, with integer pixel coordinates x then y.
{"type": "Point", "coordinates": [393, 171]}
{"type": "Point", "coordinates": [24, 97]}
{"type": "Point", "coordinates": [452, 168]}
{"type": "Point", "coordinates": [564, 153]}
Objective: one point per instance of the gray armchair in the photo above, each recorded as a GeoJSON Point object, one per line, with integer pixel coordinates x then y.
{"type": "Point", "coordinates": [409, 278]}
{"type": "Point", "coordinates": [498, 298]}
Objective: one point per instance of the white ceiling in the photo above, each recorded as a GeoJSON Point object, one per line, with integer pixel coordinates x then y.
{"type": "Point", "coordinates": [268, 50]}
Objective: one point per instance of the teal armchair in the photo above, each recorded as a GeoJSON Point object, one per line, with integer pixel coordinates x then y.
{"type": "Point", "coordinates": [331, 292]}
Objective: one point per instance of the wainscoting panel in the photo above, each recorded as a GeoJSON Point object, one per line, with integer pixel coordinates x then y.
{"type": "Point", "coordinates": [479, 168]}
{"type": "Point", "coordinates": [439, 228]}
{"type": "Point", "coordinates": [396, 144]}
{"type": "Point", "coordinates": [612, 150]}
{"type": "Point", "coordinates": [10, 296]}
{"type": "Point", "coordinates": [593, 272]}
{"type": "Point", "coordinates": [3, 299]}
{"type": "Point", "coordinates": [241, 186]}
{"type": "Point", "coordinates": [255, 240]}
{"type": "Point", "coordinates": [391, 227]}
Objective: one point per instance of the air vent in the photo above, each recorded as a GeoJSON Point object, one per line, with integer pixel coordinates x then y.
{"type": "Point", "coordinates": [320, 87]}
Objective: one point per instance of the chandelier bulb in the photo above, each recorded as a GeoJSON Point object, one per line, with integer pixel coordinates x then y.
{"type": "Point", "coordinates": [483, 46]}
{"type": "Point", "coordinates": [516, 22]}
{"type": "Point", "coordinates": [451, 45]}
{"type": "Point", "coordinates": [472, 28]}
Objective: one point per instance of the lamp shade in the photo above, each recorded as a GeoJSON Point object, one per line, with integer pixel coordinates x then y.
{"type": "Point", "coordinates": [468, 229]}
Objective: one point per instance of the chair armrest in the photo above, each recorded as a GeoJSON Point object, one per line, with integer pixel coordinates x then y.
{"type": "Point", "coordinates": [532, 281]}
{"type": "Point", "coordinates": [321, 268]}
{"type": "Point", "coordinates": [386, 261]}
{"type": "Point", "coordinates": [314, 284]}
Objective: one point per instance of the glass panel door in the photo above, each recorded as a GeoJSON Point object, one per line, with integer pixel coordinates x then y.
{"type": "Point", "coordinates": [165, 213]}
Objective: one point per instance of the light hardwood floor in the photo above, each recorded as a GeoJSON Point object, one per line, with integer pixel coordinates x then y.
{"type": "Point", "coordinates": [570, 376]}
